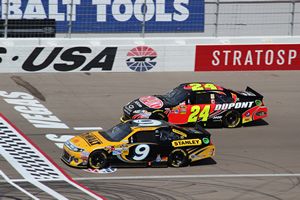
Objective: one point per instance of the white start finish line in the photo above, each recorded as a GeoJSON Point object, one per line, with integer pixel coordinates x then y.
{"type": "Point", "coordinates": [32, 163]}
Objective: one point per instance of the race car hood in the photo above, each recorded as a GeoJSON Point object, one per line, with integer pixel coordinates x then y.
{"type": "Point", "coordinates": [144, 103]}
{"type": "Point", "coordinates": [87, 140]}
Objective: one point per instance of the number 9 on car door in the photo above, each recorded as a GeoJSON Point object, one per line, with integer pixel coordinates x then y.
{"type": "Point", "coordinates": [143, 146]}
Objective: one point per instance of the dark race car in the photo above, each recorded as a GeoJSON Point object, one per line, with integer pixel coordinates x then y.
{"type": "Point", "coordinates": [143, 142]}
{"type": "Point", "coordinates": [199, 102]}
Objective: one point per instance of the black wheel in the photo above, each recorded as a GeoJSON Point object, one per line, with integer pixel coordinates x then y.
{"type": "Point", "coordinates": [232, 119]}
{"type": "Point", "coordinates": [178, 158]}
{"type": "Point", "coordinates": [159, 116]}
{"type": "Point", "coordinates": [98, 159]}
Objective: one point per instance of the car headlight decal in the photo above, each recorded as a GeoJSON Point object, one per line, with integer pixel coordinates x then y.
{"type": "Point", "coordinates": [73, 147]}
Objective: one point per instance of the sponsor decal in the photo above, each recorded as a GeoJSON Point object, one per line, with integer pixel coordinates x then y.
{"type": "Point", "coordinates": [84, 155]}
{"type": "Point", "coordinates": [228, 106]}
{"type": "Point", "coordinates": [131, 107]}
{"type": "Point", "coordinates": [182, 110]}
{"type": "Point", "coordinates": [247, 116]}
{"type": "Point", "coordinates": [152, 102]}
{"type": "Point", "coordinates": [69, 59]}
{"type": "Point", "coordinates": [218, 117]}
{"type": "Point", "coordinates": [117, 152]}
{"type": "Point", "coordinates": [32, 110]}
{"type": "Point", "coordinates": [205, 140]}
{"type": "Point", "coordinates": [247, 57]}
{"type": "Point", "coordinates": [141, 58]}
{"type": "Point", "coordinates": [258, 102]}
{"type": "Point", "coordinates": [113, 15]}
{"type": "Point", "coordinates": [183, 143]}
{"type": "Point", "coordinates": [176, 111]}
{"type": "Point", "coordinates": [138, 104]}
{"type": "Point", "coordinates": [127, 110]}
{"type": "Point", "coordinates": [158, 158]}
{"type": "Point", "coordinates": [63, 59]}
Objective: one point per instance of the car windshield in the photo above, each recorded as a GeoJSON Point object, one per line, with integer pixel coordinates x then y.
{"type": "Point", "coordinates": [174, 97]}
{"type": "Point", "coordinates": [117, 133]}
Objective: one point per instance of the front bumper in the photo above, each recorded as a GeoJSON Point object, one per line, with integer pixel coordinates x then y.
{"type": "Point", "coordinates": [206, 152]}
{"type": "Point", "coordinates": [73, 159]}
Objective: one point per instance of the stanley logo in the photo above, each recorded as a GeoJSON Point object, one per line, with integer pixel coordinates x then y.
{"type": "Point", "coordinates": [183, 143]}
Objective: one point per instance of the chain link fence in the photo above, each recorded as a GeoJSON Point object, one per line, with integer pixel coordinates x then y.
{"type": "Point", "coordinates": [76, 18]}
{"type": "Point", "coordinates": [252, 18]}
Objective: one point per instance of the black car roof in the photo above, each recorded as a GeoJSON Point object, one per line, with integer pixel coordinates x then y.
{"type": "Point", "coordinates": [143, 123]}
{"type": "Point", "coordinates": [152, 123]}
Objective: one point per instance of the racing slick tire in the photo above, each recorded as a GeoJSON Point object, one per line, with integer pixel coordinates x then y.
{"type": "Point", "coordinates": [98, 159]}
{"type": "Point", "coordinates": [178, 158]}
{"type": "Point", "coordinates": [159, 116]}
{"type": "Point", "coordinates": [232, 119]}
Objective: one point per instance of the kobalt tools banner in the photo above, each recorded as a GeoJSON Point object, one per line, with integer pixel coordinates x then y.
{"type": "Point", "coordinates": [247, 57]}
{"type": "Point", "coordinates": [112, 15]}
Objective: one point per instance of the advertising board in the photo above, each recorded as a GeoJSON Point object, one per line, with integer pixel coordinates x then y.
{"type": "Point", "coordinates": [112, 15]}
{"type": "Point", "coordinates": [72, 57]}
{"type": "Point", "coordinates": [244, 57]}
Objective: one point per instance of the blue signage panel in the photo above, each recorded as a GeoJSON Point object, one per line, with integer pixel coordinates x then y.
{"type": "Point", "coordinates": [113, 15]}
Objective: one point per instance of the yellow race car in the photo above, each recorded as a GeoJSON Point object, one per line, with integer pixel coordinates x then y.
{"type": "Point", "coordinates": [143, 142]}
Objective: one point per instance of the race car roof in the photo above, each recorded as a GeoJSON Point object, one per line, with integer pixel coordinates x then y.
{"type": "Point", "coordinates": [156, 124]}
{"type": "Point", "coordinates": [147, 123]}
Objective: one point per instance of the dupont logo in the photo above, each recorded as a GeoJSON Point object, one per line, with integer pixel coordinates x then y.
{"type": "Point", "coordinates": [141, 58]}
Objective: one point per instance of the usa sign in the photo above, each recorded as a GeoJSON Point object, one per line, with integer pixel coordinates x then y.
{"type": "Point", "coordinates": [247, 57]}
{"type": "Point", "coordinates": [112, 15]}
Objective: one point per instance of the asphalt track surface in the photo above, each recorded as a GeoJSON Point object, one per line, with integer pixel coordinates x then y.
{"type": "Point", "coordinates": [260, 161]}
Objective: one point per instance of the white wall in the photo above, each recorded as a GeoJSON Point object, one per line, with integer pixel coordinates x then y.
{"type": "Point", "coordinates": [173, 54]}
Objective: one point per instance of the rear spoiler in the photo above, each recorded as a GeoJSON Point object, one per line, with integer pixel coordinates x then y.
{"type": "Point", "coordinates": [249, 89]}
